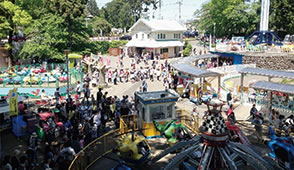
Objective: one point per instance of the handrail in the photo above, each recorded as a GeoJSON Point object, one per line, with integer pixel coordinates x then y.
{"type": "Point", "coordinates": [192, 125]}
{"type": "Point", "coordinates": [123, 128]}
{"type": "Point", "coordinates": [78, 155]}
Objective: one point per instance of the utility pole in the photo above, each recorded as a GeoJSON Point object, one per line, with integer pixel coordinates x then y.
{"type": "Point", "coordinates": [180, 9]}
{"type": "Point", "coordinates": [159, 17]}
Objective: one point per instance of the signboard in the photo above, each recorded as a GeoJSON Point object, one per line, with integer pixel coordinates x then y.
{"type": "Point", "coordinates": [13, 105]}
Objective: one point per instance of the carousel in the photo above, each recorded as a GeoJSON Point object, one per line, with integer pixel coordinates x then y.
{"type": "Point", "coordinates": [212, 149]}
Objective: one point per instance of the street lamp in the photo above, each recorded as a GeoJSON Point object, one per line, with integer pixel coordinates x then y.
{"type": "Point", "coordinates": [214, 36]}
{"type": "Point", "coordinates": [89, 17]}
{"type": "Point", "coordinates": [66, 52]}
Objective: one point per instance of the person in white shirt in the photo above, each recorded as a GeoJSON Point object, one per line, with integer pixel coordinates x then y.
{"type": "Point", "coordinates": [43, 95]}
{"type": "Point", "coordinates": [97, 121]}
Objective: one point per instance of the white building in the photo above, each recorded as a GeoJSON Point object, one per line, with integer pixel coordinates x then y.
{"type": "Point", "coordinates": [162, 38]}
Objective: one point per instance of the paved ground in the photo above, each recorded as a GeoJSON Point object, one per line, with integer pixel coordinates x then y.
{"type": "Point", "coordinates": [129, 88]}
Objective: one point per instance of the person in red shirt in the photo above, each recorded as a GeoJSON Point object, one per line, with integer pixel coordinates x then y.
{"type": "Point", "coordinates": [230, 110]}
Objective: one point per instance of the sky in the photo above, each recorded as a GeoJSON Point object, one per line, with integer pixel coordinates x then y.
{"type": "Point", "coordinates": [170, 10]}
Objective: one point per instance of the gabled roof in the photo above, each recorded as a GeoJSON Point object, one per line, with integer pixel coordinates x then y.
{"type": "Point", "coordinates": [161, 25]}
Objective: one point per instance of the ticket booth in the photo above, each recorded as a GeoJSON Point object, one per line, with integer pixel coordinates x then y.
{"type": "Point", "coordinates": [156, 105]}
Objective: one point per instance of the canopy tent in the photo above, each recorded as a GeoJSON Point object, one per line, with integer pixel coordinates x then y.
{"type": "Point", "coordinates": [194, 71]}
{"type": "Point", "coordinates": [268, 73]}
{"type": "Point", "coordinates": [75, 56]}
{"type": "Point", "coordinates": [270, 86]}
{"type": "Point", "coordinates": [154, 44]}
{"type": "Point", "coordinates": [192, 59]}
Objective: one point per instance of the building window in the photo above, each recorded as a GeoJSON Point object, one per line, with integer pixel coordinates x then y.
{"type": "Point", "coordinates": [163, 50]}
{"type": "Point", "coordinates": [136, 36]}
{"type": "Point", "coordinates": [160, 36]}
{"type": "Point", "coordinates": [142, 36]}
{"type": "Point", "coordinates": [176, 36]}
{"type": "Point", "coordinates": [148, 36]}
{"type": "Point", "coordinates": [157, 112]}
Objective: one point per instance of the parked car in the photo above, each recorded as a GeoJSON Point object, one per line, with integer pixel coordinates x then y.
{"type": "Point", "coordinates": [125, 37]}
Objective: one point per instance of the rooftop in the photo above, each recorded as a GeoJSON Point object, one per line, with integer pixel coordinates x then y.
{"type": "Point", "coordinates": [264, 85]}
{"type": "Point", "coordinates": [194, 71]}
{"type": "Point", "coordinates": [161, 25]}
{"type": "Point", "coordinates": [156, 95]}
{"type": "Point", "coordinates": [266, 72]}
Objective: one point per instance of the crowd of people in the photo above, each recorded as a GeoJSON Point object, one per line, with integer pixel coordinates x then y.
{"type": "Point", "coordinates": [81, 118]}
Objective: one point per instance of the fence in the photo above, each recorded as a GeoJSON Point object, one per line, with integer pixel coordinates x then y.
{"type": "Point", "coordinates": [128, 122]}
{"type": "Point", "coordinates": [17, 76]}
{"type": "Point", "coordinates": [231, 69]}
{"type": "Point", "coordinates": [102, 145]}
{"type": "Point", "coordinates": [192, 123]}
{"type": "Point", "coordinates": [94, 151]}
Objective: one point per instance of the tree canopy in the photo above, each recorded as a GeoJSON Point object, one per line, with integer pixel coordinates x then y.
{"type": "Point", "coordinates": [235, 17]}
{"type": "Point", "coordinates": [124, 13]}
{"type": "Point", "coordinates": [229, 17]}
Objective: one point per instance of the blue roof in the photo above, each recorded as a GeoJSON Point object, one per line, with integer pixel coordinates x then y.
{"type": "Point", "coordinates": [270, 86]}
{"type": "Point", "coordinates": [269, 73]}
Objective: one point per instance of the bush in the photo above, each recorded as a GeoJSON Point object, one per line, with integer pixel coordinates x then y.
{"type": "Point", "coordinates": [187, 50]}
{"type": "Point", "coordinates": [116, 44]}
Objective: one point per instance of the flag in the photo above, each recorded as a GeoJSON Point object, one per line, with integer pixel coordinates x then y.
{"type": "Point", "coordinates": [13, 105]}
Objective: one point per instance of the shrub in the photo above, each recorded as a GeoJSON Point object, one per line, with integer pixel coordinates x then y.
{"type": "Point", "coordinates": [187, 50]}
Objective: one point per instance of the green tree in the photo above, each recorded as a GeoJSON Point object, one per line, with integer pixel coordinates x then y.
{"type": "Point", "coordinates": [230, 17]}
{"type": "Point", "coordinates": [282, 16]}
{"type": "Point", "coordinates": [97, 24]}
{"type": "Point", "coordinates": [48, 38]}
{"type": "Point", "coordinates": [70, 11]}
{"type": "Point", "coordinates": [33, 7]}
{"type": "Point", "coordinates": [13, 19]}
{"type": "Point", "coordinates": [93, 8]}
{"type": "Point", "coordinates": [124, 13]}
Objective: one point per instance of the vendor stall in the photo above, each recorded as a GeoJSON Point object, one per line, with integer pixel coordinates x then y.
{"type": "Point", "coordinates": [278, 96]}
{"type": "Point", "coordinates": [157, 105]}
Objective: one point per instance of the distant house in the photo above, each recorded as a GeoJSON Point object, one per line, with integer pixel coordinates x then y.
{"type": "Point", "coordinates": [162, 38]}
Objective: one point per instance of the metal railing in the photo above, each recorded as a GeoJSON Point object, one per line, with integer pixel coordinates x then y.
{"type": "Point", "coordinates": [102, 145]}
{"type": "Point", "coordinates": [128, 123]}
{"type": "Point", "coordinates": [189, 121]}
{"type": "Point", "coordinates": [18, 79]}
{"type": "Point", "coordinates": [94, 151]}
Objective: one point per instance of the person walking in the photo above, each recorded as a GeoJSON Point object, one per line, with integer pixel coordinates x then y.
{"type": "Point", "coordinates": [97, 121]}
{"type": "Point", "coordinates": [257, 122]}
{"type": "Point", "coordinates": [144, 86]}
{"type": "Point", "coordinates": [229, 98]}
{"type": "Point", "coordinates": [253, 111]}
{"type": "Point", "coordinates": [99, 96]}
{"type": "Point", "coordinates": [32, 150]}
{"type": "Point", "coordinates": [57, 95]}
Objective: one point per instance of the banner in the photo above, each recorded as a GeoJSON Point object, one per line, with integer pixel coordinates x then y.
{"type": "Point", "coordinates": [13, 105]}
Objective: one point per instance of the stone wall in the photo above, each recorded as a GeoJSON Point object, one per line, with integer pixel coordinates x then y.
{"type": "Point", "coordinates": [278, 61]}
